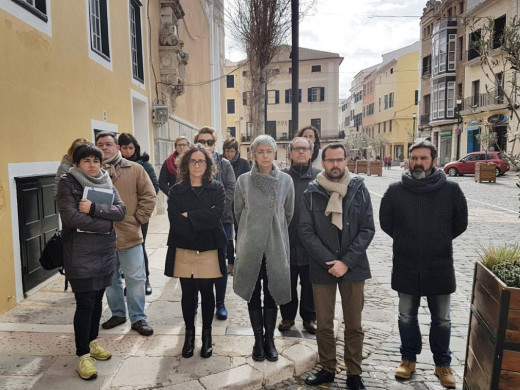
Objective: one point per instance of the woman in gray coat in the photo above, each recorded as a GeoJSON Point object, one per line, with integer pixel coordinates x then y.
{"type": "Point", "coordinates": [264, 205]}
{"type": "Point", "coordinates": [89, 248]}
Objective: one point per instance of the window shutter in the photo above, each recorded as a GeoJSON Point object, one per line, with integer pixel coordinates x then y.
{"type": "Point", "coordinates": [287, 96]}
{"type": "Point", "coordinates": [322, 94]}
{"type": "Point", "coordinates": [309, 94]}
{"type": "Point", "coordinates": [299, 95]}
{"type": "Point", "coordinates": [277, 97]}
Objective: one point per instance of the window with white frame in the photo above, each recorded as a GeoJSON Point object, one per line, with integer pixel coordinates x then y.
{"type": "Point", "coordinates": [36, 7]}
{"type": "Point", "coordinates": [442, 52]}
{"type": "Point", "coordinates": [390, 100]}
{"type": "Point", "coordinates": [273, 96]}
{"type": "Point", "coordinates": [230, 81]}
{"type": "Point", "coordinates": [442, 100]}
{"type": "Point", "coordinates": [435, 100]}
{"type": "Point", "coordinates": [230, 106]}
{"type": "Point", "coordinates": [99, 40]}
{"type": "Point", "coordinates": [316, 94]}
{"type": "Point", "coordinates": [136, 40]}
{"type": "Point", "coordinates": [452, 48]}
{"type": "Point", "coordinates": [450, 102]}
{"type": "Point", "coordinates": [386, 102]}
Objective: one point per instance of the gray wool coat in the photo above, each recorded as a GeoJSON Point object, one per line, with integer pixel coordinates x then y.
{"type": "Point", "coordinates": [263, 222]}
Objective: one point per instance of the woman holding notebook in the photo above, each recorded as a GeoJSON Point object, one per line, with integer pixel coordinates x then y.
{"type": "Point", "coordinates": [89, 254]}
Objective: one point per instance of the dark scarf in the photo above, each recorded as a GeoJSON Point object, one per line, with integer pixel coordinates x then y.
{"type": "Point", "coordinates": [300, 170]}
{"type": "Point", "coordinates": [136, 158]}
{"type": "Point", "coordinates": [429, 184]}
{"type": "Point", "coordinates": [170, 163]}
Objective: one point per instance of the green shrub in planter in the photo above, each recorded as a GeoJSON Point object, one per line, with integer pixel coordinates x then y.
{"type": "Point", "coordinates": [504, 262]}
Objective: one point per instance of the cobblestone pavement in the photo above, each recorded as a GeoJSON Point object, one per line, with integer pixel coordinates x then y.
{"type": "Point", "coordinates": [493, 219]}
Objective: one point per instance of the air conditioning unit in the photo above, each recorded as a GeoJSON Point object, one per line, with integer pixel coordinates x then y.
{"type": "Point", "coordinates": [160, 113]}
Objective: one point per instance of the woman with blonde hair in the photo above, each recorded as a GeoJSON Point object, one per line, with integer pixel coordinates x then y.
{"type": "Point", "coordinates": [66, 161]}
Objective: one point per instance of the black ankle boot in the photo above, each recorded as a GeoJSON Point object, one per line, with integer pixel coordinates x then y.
{"type": "Point", "coordinates": [189, 343]}
{"type": "Point", "coordinates": [270, 351]}
{"type": "Point", "coordinates": [206, 350]}
{"type": "Point", "coordinates": [257, 323]}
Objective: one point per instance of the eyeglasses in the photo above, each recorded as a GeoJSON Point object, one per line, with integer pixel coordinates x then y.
{"type": "Point", "coordinates": [301, 149]}
{"type": "Point", "coordinates": [197, 162]}
{"type": "Point", "coordinates": [181, 145]}
{"type": "Point", "coordinates": [208, 142]}
{"type": "Point", "coordinates": [334, 160]}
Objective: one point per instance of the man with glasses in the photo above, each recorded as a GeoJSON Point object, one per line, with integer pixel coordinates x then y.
{"type": "Point", "coordinates": [336, 227]}
{"type": "Point", "coordinates": [207, 137]}
{"type": "Point", "coordinates": [302, 173]}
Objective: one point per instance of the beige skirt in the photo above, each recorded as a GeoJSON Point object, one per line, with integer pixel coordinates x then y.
{"type": "Point", "coordinates": [200, 265]}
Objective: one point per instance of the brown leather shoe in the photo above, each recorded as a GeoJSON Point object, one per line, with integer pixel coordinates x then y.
{"type": "Point", "coordinates": [445, 375]}
{"type": "Point", "coordinates": [405, 370]}
{"type": "Point", "coordinates": [285, 325]}
{"type": "Point", "coordinates": [310, 326]}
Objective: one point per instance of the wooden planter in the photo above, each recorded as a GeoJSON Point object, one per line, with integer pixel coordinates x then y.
{"type": "Point", "coordinates": [493, 346]}
{"type": "Point", "coordinates": [351, 166]}
{"type": "Point", "coordinates": [375, 168]}
{"type": "Point", "coordinates": [485, 172]}
{"type": "Point", "coordinates": [361, 166]}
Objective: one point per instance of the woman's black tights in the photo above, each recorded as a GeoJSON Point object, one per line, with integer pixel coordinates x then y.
{"type": "Point", "coordinates": [189, 300]}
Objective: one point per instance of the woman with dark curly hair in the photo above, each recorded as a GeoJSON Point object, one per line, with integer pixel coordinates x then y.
{"type": "Point", "coordinates": [196, 241]}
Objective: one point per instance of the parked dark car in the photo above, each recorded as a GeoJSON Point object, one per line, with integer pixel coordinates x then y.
{"type": "Point", "coordinates": [466, 165]}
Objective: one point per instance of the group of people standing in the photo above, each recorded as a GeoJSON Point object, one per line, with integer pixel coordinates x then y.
{"type": "Point", "coordinates": [311, 222]}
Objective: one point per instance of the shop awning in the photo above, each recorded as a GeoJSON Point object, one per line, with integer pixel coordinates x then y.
{"type": "Point", "coordinates": [472, 128]}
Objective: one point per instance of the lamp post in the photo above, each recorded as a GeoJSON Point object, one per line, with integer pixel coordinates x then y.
{"type": "Point", "coordinates": [414, 117]}
{"type": "Point", "coordinates": [459, 122]}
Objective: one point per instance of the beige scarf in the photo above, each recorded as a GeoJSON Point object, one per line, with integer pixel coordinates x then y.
{"type": "Point", "coordinates": [337, 191]}
{"type": "Point", "coordinates": [110, 163]}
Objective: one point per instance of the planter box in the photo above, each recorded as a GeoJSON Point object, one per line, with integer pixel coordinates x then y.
{"type": "Point", "coordinates": [375, 168]}
{"type": "Point", "coordinates": [361, 166]}
{"type": "Point", "coordinates": [351, 166]}
{"type": "Point", "coordinates": [493, 347]}
{"type": "Point", "coordinates": [485, 172]}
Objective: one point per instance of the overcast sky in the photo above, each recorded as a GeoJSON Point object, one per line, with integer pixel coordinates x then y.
{"type": "Point", "coordinates": [358, 30]}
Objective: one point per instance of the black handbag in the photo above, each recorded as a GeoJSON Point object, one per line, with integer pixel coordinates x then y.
{"type": "Point", "coordinates": [52, 255]}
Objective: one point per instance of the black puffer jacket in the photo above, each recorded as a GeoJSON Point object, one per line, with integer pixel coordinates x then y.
{"type": "Point", "coordinates": [321, 239]}
{"type": "Point", "coordinates": [299, 255]}
{"type": "Point", "coordinates": [93, 254]}
{"type": "Point", "coordinates": [202, 230]}
{"type": "Point", "coordinates": [423, 217]}
{"type": "Point", "coordinates": [239, 164]}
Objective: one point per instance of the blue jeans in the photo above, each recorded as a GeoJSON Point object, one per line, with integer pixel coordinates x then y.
{"type": "Point", "coordinates": [131, 261]}
{"type": "Point", "coordinates": [221, 283]}
{"type": "Point", "coordinates": [440, 328]}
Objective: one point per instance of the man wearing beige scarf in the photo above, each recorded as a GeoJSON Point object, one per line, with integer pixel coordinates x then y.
{"type": "Point", "coordinates": [336, 227]}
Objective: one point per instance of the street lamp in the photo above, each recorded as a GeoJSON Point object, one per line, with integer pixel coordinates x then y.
{"type": "Point", "coordinates": [414, 117]}
{"type": "Point", "coordinates": [459, 122]}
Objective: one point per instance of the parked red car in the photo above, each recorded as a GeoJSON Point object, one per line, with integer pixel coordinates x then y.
{"type": "Point", "coordinates": [466, 165]}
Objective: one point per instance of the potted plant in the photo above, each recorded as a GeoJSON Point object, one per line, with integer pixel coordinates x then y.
{"type": "Point", "coordinates": [493, 344]}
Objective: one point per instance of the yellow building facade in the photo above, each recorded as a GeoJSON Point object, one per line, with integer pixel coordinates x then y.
{"type": "Point", "coordinates": [395, 103]}
{"type": "Point", "coordinates": [72, 69]}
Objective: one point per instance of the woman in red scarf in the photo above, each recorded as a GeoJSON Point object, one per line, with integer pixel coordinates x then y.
{"type": "Point", "coordinates": [168, 175]}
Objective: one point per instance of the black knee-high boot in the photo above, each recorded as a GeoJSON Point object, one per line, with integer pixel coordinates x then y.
{"type": "Point", "coordinates": [189, 343]}
{"type": "Point", "coordinates": [207, 349]}
{"type": "Point", "coordinates": [257, 323]}
{"type": "Point", "coordinates": [270, 315]}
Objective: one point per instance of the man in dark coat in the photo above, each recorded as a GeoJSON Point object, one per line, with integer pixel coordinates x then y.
{"type": "Point", "coordinates": [302, 173]}
{"type": "Point", "coordinates": [336, 227]}
{"type": "Point", "coordinates": [423, 213]}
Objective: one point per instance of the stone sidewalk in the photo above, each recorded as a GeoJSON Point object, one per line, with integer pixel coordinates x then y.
{"type": "Point", "coordinates": [37, 341]}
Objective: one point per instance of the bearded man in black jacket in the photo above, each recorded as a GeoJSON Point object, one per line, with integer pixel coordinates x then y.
{"type": "Point", "coordinates": [423, 214]}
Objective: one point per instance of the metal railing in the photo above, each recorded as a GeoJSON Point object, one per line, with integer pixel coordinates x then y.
{"type": "Point", "coordinates": [483, 99]}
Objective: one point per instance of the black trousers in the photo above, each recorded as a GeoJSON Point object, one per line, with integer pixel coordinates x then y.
{"type": "Point", "coordinates": [307, 310]}
{"type": "Point", "coordinates": [189, 287]}
{"type": "Point", "coordinates": [86, 319]}
{"type": "Point", "coordinates": [261, 283]}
